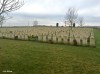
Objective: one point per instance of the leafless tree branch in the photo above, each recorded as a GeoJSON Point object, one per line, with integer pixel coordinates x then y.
{"type": "Point", "coordinates": [71, 16]}
{"type": "Point", "coordinates": [7, 6]}
{"type": "Point", "coordinates": [10, 5]}
{"type": "Point", "coordinates": [81, 21]}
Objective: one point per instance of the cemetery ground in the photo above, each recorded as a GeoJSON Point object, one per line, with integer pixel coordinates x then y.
{"type": "Point", "coordinates": [28, 57]}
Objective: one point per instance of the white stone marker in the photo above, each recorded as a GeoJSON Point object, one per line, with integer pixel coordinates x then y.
{"type": "Point", "coordinates": [78, 40]}
{"type": "Point", "coordinates": [12, 36]}
{"type": "Point", "coordinates": [60, 39]}
{"type": "Point", "coordinates": [84, 41]}
{"type": "Point", "coordinates": [49, 38]}
{"type": "Point", "coordinates": [40, 37]}
{"type": "Point", "coordinates": [19, 37]}
{"type": "Point", "coordinates": [71, 40]}
{"type": "Point", "coordinates": [92, 41]}
{"type": "Point", "coordinates": [65, 39]}
{"type": "Point", "coordinates": [26, 37]}
{"type": "Point", "coordinates": [22, 37]}
{"type": "Point", "coordinates": [44, 38]}
{"type": "Point", "coordinates": [54, 39]}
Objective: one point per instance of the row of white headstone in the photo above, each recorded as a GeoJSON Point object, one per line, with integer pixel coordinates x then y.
{"type": "Point", "coordinates": [75, 36]}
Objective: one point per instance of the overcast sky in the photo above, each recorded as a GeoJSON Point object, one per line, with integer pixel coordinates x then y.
{"type": "Point", "coordinates": [48, 12]}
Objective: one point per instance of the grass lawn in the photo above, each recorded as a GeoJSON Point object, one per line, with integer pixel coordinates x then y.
{"type": "Point", "coordinates": [27, 57]}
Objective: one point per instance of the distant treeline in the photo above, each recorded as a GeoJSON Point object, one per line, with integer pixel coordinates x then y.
{"type": "Point", "coordinates": [97, 27]}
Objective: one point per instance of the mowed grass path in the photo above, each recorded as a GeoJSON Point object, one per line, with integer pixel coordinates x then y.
{"type": "Point", "coordinates": [27, 57]}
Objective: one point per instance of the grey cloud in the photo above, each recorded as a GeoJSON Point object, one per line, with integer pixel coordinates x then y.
{"type": "Point", "coordinates": [23, 19]}
{"type": "Point", "coordinates": [91, 17]}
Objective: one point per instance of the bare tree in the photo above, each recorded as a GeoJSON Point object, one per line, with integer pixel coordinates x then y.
{"type": "Point", "coordinates": [10, 5]}
{"type": "Point", "coordinates": [81, 21]}
{"type": "Point", "coordinates": [35, 23]}
{"type": "Point", "coordinates": [7, 6]}
{"type": "Point", "coordinates": [71, 16]}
